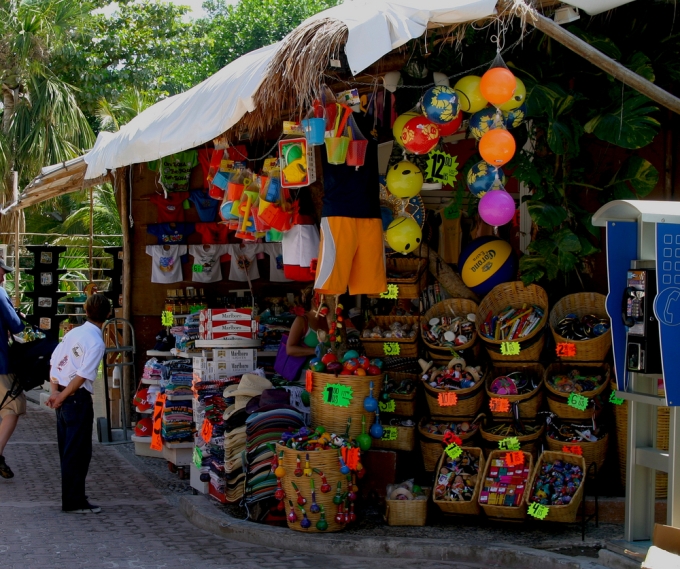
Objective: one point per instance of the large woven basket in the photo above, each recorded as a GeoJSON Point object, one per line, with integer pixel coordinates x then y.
{"type": "Point", "coordinates": [431, 445]}
{"type": "Point", "coordinates": [471, 507]}
{"type": "Point", "coordinates": [527, 443]}
{"type": "Point", "coordinates": [528, 403]}
{"type": "Point", "coordinates": [592, 452]}
{"type": "Point", "coordinates": [557, 401]}
{"type": "Point", "coordinates": [581, 304]}
{"type": "Point", "coordinates": [662, 430]}
{"type": "Point", "coordinates": [409, 287]}
{"type": "Point", "coordinates": [469, 403]}
{"type": "Point", "coordinates": [327, 462]}
{"type": "Point", "coordinates": [404, 403]}
{"type": "Point", "coordinates": [516, 513]}
{"type": "Point", "coordinates": [568, 512]}
{"type": "Point", "coordinates": [334, 418]}
{"type": "Point", "coordinates": [406, 440]}
{"type": "Point", "coordinates": [406, 512]}
{"type": "Point", "coordinates": [515, 294]}
{"type": "Point", "coordinates": [449, 307]}
{"type": "Point", "coordinates": [374, 347]}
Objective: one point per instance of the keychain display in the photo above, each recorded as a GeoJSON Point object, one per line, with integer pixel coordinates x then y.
{"type": "Point", "coordinates": [449, 331]}
{"type": "Point", "coordinates": [556, 483]}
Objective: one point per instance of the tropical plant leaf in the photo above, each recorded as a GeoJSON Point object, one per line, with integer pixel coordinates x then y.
{"type": "Point", "coordinates": [546, 215]}
{"type": "Point", "coordinates": [635, 179]}
{"type": "Point", "coordinates": [532, 268]}
{"type": "Point", "coordinates": [567, 241]}
{"type": "Point", "coordinates": [642, 65]}
{"type": "Point", "coordinates": [629, 125]}
{"type": "Point", "coordinates": [567, 261]}
{"type": "Point", "coordinates": [560, 138]}
{"type": "Point", "coordinates": [543, 247]}
{"type": "Point", "coordinates": [600, 43]}
{"type": "Point", "coordinates": [587, 248]}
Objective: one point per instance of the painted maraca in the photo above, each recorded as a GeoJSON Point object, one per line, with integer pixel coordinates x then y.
{"type": "Point", "coordinates": [322, 524]}
{"type": "Point", "coordinates": [376, 428]}
{"type": "Point", "coordinates": [370, 402]}
{"type": "Point", "coordinates": [314, 508]}
{"type": "Point", "coordinates": [363, 440]}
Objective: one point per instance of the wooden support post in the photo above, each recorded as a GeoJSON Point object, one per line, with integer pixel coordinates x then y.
{"type": "Point", "coordinates": [91, 233]}
{"type": "Point", "coordinates": [597, 58]}
{"type": "Point", "coordinates": [121, 181]}
{"type": "Point", "coordinates": [17, 238]}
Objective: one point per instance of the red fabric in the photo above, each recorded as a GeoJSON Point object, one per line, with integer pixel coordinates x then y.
{"type": "Point", "coordinates": [214, 234]}
{"type": "Point", "coordinates": [169, 209]}
{"type": "Point", "coordinates": [204, 159]}
{"type": "Point", "coordinates": [297, 273]}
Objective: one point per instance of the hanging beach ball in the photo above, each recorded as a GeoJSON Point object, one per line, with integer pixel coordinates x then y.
{"type": "Point", "coordinates": [483, 177]}
{"type": "Point", "coordinates": [518, 98]}
{"type": "Point", "coordinates": [404, 234]}
{"type": "Point", "coordinates": [419, 135]}
{"type": "Point", "coordinates": [440, 104]}
{"type": "Point", "coordinates": [482, 122]}
{"type": "Point", "coordinates": [514, 117]}
{"type": "Point", "coordinates": [486, 262]}
{"type": "Point", "coordinates": [497, 147]}
{"type": "Point", "coordinates": [399, 124]}
{"type": "Point", "coordinates": [451, 127]}
{"type": "Point", "coordinates": [471, 98]}
{"type": "Point", "coordinates": [498, 85]}
{"type": "Point", "coordinates": [404, 180]}
{"type": "Point", "coordinates": [497, 207]}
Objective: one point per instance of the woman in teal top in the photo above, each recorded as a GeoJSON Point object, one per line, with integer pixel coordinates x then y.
{"type": "Point", "coordinates": [303, 337]}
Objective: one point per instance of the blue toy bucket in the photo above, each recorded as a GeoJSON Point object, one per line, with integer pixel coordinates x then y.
{"type": "Point", "coordinates": [315, 129]}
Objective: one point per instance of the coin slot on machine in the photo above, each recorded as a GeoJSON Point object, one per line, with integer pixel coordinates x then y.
{"type": "Point", "coordinates": [643, 352]}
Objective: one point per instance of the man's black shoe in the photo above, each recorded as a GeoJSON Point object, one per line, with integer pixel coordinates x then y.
{"type": "Point", "coordinates": [5, 470]}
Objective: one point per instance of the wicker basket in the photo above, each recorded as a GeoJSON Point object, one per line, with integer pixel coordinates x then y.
{"type": "Point", "coordinates": [404, 404]}
{"type": "Point", "coordinates": [529, 403]}
{"type": "Point", "coordinates": [408, 287]}
{"type": "Point", "coordinates": [327, 462]}
{"type": "Point", "coordinates": [557, 401]}
{"type": "Point", "coordinates": [334, 418]}
{"type": "Point", "coordinates": [516, 513]}
{"type": "Point", "coordinates": [568, 512]}
{"type": "Point", "coordinates": [449, 307]}
{"type": "Point", "coordinates": [471, 507]}
{"type": "Point", "coordinates": [469, 403]}
{"type": "Point", "coordinates": [374, 347]}
{"type": "Point", "coordinates": [406, 439]}
{"type": "Point", "coordinates": [431, 445]}
{"type": "Point", "coordinates": [582, 303]}
{"type": "Point", "coordinates": [592, 452]}
{"type": "Point", "coordinates": [515, 294]}
{"type": "Point", "coordinates": [406, 512]}
{"type": "Point", "coordinates": [527, 443]}
{"type": "Point", "coordinates": [662, 430]}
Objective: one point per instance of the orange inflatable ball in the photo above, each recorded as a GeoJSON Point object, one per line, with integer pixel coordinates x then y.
{"type": "Point", "coordinates": [469, 94]}
{"type": "Point", "coordinates": [497, 147]}
{"type": "Point", "coordinates": [399, 124]}
{"type": "Point", "coordinates": [498, 85]}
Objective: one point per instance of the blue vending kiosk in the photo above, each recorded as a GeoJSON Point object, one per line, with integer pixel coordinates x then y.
{"type": "Point", "coordinates": [643, 271]}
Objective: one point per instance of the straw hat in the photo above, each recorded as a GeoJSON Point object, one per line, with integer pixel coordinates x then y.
{"type": "Point", "coordinates": [251, 385]}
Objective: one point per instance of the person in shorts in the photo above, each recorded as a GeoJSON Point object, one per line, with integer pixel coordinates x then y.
{"type": "Point", "coordinates": [12, 407]}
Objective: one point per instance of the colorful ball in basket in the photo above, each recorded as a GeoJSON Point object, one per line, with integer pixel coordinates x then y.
{"type": "Point", "coordinates": [419, 135]}
{"type": "Point", "coordinates": [519, 97]}
{"type": "Point", "coordinates": [483, 177]}
{"type": "Point", "coordinates": [404, 234]}
{"type": "Point", "coordinates": [498, 85]}
{"type": "Point", "coordinates": [451, 127]}
{"type": "Point", "coordinates": [399, 124]}
{"type": "Point", "coordinates": [482, 122]}
{"type": "Point", "coordinates": [486, 262]}
{"type": "Point", "coordinates": [496, 207]}
{"type": "Point", "coordinates": [515, 117]}
{"type": "Point", "coordinates": [497, 147]}
{"type": "Point", "coordinates": [404, 180]}
{"type": "Point", "coordinates": [471, 98]}
{"type": "Point", "coordinates": [440, 104]}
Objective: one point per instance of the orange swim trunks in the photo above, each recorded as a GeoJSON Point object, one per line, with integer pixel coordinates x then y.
{"type": "Point", "coordinates": [351, 254]}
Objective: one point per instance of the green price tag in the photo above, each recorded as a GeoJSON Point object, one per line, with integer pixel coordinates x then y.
{"type": "Point", "coordinates": [453, 451]}
{"type": "Point", "coordinates": [454, 353]}
{"type": "Point", "coordinates": [509, 443]}
{"type": "Point", "coordinates": [338, 395]}
{"type": "Point", "coordinates": [197, 268]}
{"type": "Point", "coordinates": [167, 318]}
{"type": "Point", "coordinates": [389, 434]}
{"type": "Point", "coordinates": [510, 348]}
{"type": "Point", "coordinates": [614, 399]}
{"type": "Point", "coordinates": [392, 292]}
{"type": "Point", "coordinates": [197, 457]}
{"type": "Point", "coordinates": [388, 407]}
{"type": "Point", "coordinates": [391, 348]}
{"type": "Point", "coordinates": [578, 401]}
{"type": "Point", "coordinates": [538, 511]}
{"type": "Point", "coordinates": [441, 167]}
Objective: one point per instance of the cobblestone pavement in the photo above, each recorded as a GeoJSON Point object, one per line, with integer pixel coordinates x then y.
{"type": "Point", "coordinates": [139, 527]}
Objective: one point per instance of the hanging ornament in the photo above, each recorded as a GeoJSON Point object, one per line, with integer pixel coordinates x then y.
{"type": "Point", "coordinates": [364, 440]}
{"type": "Point", "coordinates": [322, 524]}
{"type": "Point", "coordinates": [370, 402]}
{"type": "Point", "coordinates": [280, 471]}
{"type": "Point", "coordinates": [497, 207]}
{"type": "Point", "coordinates": [440, 104]}
{"type": "Point", "coordinates": [308, 469]}
{"type": "Point", "coordinates": [340, 514]}
{"type": "Point", "coordinates": [517, 99]}
{"type": "Point", "coordinates": [301, 500]}
{"type": "Point", "coordinates": [404, 180]}
{"type": "Point", "coordinates": [469, 94]}
{"type": "Point", "coordinates": [498, 85]}
{"type": "Point", "coordinates": [483, 177]}
{"type": "Point", "coordinates": [325, 486]}
{"type": "Point", "coordinates": [399, 124]}
{"type": "Point", "coordinates": [304, 522]}
{"type": "Point", "coordinates": [279, 493]}
{"type": "Point", "coordinates": [419, 135]}
{"type": "Point", "coordinates": [314, 508]}
{"type": "Point", "coordinates": [497, 147]}
{"type": "Point", "coordinates": [482, 122]}
{"type": "Point", "coordinates": [337, 499]}
{"type": "Point", "coordinates": [292, 516]}
{"type": "Point", "coordinates": [344, 469]}
{"type": "Point", "coordinates": [298, 467]}
{"type": "Point", "coordinates": [376, 429]}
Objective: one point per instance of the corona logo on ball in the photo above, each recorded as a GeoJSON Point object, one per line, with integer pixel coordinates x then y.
{"type": "Point", "coordinates": [486, 262]}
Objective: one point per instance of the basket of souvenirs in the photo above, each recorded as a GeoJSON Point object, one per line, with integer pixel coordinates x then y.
{"type": "Point", "coordinates": [449, 325]}
{"type": "Point", "coordinates": [398, 434]}
{"type": "Point", "coordinates": [406, 504]}
{"type": "Point", "coordinates": [512, 385]}
{"type": "Point", "coordinates": [457, 481]}
{"type": "Point", "coordinates": [503, 484]}
{"type": "Point", "coordinates": [431, 435]}
{"type": "Point", "coordinates": [409, 274]}
{"type": "Point", "coordinates": [391, 336]}
{"type": "Point", "coordinates": [454, 390]}
{"type": "Point", "coordinates": [589, 441]}
{"type": "Point", "coordinates": [574, 389]}
{"type": "Point", "coordinates": [528, 435]}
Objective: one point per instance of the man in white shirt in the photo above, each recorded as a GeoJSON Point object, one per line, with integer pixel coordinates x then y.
{"type": "Point", "coordinates": [75, 364]}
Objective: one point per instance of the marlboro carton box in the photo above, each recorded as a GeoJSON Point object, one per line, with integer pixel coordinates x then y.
{"type": "Point", "coordinates": [234, 326]}
{"type": "Point", "coordinates": [225, 314]}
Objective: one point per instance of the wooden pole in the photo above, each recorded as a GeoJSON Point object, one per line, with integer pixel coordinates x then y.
{"type": "Point", "coordinates": [17, 238]}
{"type": "Point", "coordinates": [125, 192]}
{"type": "Point", "coordinates": [597, 58]}
{"type": "Point", "coordinates": [91, 233]}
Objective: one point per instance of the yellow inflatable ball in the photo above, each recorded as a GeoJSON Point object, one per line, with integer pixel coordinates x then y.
{"type": "Point", "coordinates": [403, 234]}
{"type": "Point", "coordinates": [404, 180]}
{"type": "Point", "coordinates": [400, 123]}
{"type": "Point", "coordinates": [469, 94]}
{"type": "Point", "coordinates": [517, 98]}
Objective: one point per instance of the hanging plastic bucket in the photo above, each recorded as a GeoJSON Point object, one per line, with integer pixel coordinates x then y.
{"type": "Point", "coordinates": [315, 130]}
{"type": "Point", "coordinates": [356, 154]}
{"type": "Point", "coordinates": [235, 191]}
{"type": "Point", "coordinates": [336, 148]}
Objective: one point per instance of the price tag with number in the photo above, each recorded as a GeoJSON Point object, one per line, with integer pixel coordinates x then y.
{"type": "Point", "coordinates": [578, 401]}
{"type": "Point", "coordinates": [392, 292]}
{"type": "Point", "coordinates": [538, 511]}
{"type": "Point", "coordinates": [510, 348]}
{"type": "Point", "coordinates": [309, 380]}
{"type": "Point", "coordinates": [509, 443]}
{"type": "Point", "coordinates": [167, 318]}
{"type": "Point", "coordinates": [337, 394]}
{"type": "Point", "coordinates": [614, 399]}
{"type": "Point", "coordinates": [515, 458]}
{"type": "Point", "coordinates": [206, 430]}
{"type": "Point", "coordinates": [447, 399]}
{"type": "Point", "coordinates": [453, 451]}
{"type": "Point", "coordinates": [156, 439]}
{"type": "Point", "coordinates": [441, 167]}
{"type": "Point", "coordinates": [391, 348]}
{"type": "Point", "coordinates": [388, 407]}
{"type": "Point", "coordinates": [389, 434]}
{"type": "Point", "coordinates": [499, 405]}
{"type": "Point", "coordinates": [573, 449]}
{"type": "Point", "coordinates": [565, 350]}
{"type": "Point", "coordinates": [197, 268]}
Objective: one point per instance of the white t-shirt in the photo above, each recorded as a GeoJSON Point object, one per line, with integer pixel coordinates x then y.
{"type": "Point", "coordinates": [275, 252]}
{"type": "Point", "coordinates": [80, 353]}
{"type": "Point", "coordinates": [166, 266]}
{"type": "Point", "coordinates": [206, 265]}
{"type": "Point", "coordinates": [242, 260]}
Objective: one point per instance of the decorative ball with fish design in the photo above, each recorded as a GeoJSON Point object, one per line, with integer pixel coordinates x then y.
{"type": "Point", "coordinates": [440, 104]}
{"type": "Point", "coordinates": [483, 177]}
{"type": "Point", "coordinates": [419, 135]}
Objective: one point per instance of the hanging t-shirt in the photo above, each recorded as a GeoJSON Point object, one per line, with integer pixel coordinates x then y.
{"type": "Point", "coordinates": [244, 262]}
{"type": "Point", "coordinates": [205, 205]}
{"type": "Point", "coordinates": [275, 252]}
{"type": "Point", "coordinates": [170, 208]}
{"type": "Point", "coordinates": [212, 233]}
{"type": "Point", "coordinates": [175, 170]}
{"type": "Point", "coordinates": [206, 264]}
{"type": "Point", "coordinates": [176, 233]}
{"type": "Point", "coordinates": [165, 265]}
{"type": "Point", "coordinates": [204, 158]}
